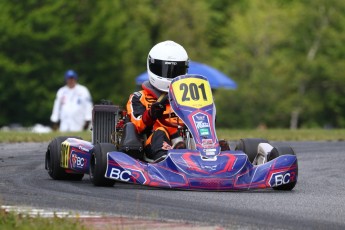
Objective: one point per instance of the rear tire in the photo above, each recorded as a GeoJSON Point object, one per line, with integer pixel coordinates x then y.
{"type": "Point", "coordinates": [250, 146]}
{"type": "Point", "coordinates": [53, 158]}
{"type": "Point", "coordinates": [98, 164]}
{"type": "Point", "coordinates": [281, 151]}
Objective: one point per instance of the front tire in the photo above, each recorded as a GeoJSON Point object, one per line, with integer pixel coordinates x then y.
{"type": "Point", "coordinates": [250, 146]}
{"type": "Point", "coordinates": [98, 164]}
{"type": "Point", "coordinates": [53, 159]}
{"type": "Point", "coordinates": [281, 151]}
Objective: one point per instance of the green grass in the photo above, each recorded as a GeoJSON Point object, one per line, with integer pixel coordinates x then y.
{"type": "Point", "coordinates": [11, 220]}
{"type": "Point", "coordinates": [284, 134]}
{"type": "Point", "coordinates": [228, 134]}
{"type": "Point", "coordinates": [13, 136]}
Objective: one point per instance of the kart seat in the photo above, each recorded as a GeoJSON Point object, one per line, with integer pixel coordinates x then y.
{"type": "Point", "coordinates": [131, 143]}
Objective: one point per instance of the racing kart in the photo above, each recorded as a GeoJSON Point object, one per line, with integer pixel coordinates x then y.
{"type": "Point", "coordinates": [116, 152]}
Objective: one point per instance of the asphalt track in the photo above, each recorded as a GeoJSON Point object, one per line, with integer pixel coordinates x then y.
{"type": "Point", "coordinates": [317, 202]}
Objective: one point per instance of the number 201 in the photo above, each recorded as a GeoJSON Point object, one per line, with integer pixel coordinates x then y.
{"type": "Point", "coordinates": [193, 90]}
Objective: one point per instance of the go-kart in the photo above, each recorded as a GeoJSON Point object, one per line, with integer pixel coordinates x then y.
{"type": "Point", "coordinates": [117, 154]}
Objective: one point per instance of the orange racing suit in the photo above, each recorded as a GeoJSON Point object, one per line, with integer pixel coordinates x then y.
{"type": "Point", "coordinates": [157, 133]}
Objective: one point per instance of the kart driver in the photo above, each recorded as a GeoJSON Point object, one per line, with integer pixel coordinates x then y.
{"type": "Point", "coordinates": [165, 61]}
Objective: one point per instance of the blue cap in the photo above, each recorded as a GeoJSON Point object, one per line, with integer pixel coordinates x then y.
{"type": "Point", "coordinates": [71, 74]}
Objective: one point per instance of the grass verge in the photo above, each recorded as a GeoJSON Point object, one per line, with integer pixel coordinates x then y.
{"type": "Point", "coordinates": [16, 136]}
{"type": "Point", "coordinates": [284, 134]}
{"type": "Point", "coordinates": [11, 220]}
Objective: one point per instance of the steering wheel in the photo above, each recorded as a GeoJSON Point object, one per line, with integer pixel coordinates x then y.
{"type": "Point", "coordinates": [163, 98]}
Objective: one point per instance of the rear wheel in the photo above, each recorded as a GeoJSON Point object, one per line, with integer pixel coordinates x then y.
{"type": "Point", "coordinates": [250, 146]}
{"type": "Point", "coordinates": [98, 164]}
{"type": "Point", "coordinates": [53, 158]}
{"type": "Point", "coordinates": [281, 151]}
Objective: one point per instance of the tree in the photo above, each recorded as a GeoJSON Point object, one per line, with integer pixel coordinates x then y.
{"type": "Point", "coordinates": [286, 56]}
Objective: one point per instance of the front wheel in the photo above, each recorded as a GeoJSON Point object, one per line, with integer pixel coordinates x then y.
{"type": "Point", "coordinates": [250, 146]}
{"type": "Point", "coordinates": [281, 151]}
{"type": "Point", "coordinates": [53, 159]}
{"type": "Point", "coordinates": [98, 164]}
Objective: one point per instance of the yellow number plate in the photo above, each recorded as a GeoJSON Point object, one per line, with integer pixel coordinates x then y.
{"type": "Point", "coordinates": [193, 92]}
{"type": "Point", "coordinates": [65, 148]}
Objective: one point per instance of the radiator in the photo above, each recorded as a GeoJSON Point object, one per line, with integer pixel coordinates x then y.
{"type": "Point", "coordinates": [104, 120]}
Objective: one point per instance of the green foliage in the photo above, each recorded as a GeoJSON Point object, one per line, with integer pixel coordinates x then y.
{"type": "Point", "coordinates": [286, 56]}
{"type": "Point", "coordinates": [278, 56]}
{"type": "Point", "coordinates": [9, 221]}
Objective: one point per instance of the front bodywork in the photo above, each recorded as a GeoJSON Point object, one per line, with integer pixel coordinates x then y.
{"type": "Point", "coordinates": [183, 169]}
{"type": "Point", "coordinates": [75, 155]}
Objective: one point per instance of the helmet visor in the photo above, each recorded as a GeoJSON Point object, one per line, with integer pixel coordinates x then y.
{"type": "Point", "coordinates": [168, 69]}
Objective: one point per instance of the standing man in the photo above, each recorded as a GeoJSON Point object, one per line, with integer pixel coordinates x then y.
{"type": "Point", "coordinates": [72, 111]}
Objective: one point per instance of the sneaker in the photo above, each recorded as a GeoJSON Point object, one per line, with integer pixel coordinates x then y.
{"type": "Point", "coordinates": [263, 150]}
{"type": "Point", "coordinates": [159, 156]}
{"type": "Point", "coordinates": [149, 160]}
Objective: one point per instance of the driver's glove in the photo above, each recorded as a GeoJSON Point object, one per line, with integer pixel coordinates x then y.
{"type": "Point", "coordinates": [151, 115]}
{"type": "Point", "coordinates": [156, 111]}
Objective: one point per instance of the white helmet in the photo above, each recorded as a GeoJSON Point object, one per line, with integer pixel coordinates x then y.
{"type": "Point", "coordinates": [165, 61]}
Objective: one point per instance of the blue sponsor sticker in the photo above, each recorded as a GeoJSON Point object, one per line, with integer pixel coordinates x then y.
{"type": "Point", "coordinates": [202, 124]}
{"type": "Point", "coordinates": [78, 160]}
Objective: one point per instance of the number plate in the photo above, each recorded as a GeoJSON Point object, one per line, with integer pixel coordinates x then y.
{"type": "Point", "coordinates": [192, 92]}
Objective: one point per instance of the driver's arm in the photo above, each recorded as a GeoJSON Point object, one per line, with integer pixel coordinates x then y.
{"type": "Point", "coordinates": [135, 109]}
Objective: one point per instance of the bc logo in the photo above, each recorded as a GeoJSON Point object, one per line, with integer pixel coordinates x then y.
{"type": "Point", "coordinates": [77, 161]}
{"type": "Point", "coordinates": [280, 178]}
{"type": "Point", "coordinates": [117, 174]}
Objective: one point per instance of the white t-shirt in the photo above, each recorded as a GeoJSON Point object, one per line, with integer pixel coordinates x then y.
{"type": "Point", "coordinates": [72, 107]}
